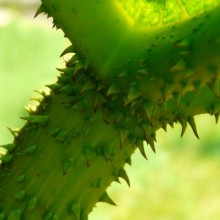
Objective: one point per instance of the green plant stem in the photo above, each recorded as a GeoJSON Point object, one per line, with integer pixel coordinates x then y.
{"type": "Point", "coordinates": [82, 134]}
{"type": "Point", "coordinates": [103, 36]}
{"type": "Point", "coordinates": [69, 159]}
{"type": "Point", "coordinates": [67, 155]}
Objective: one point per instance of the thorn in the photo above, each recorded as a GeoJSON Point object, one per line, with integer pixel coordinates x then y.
{"type": "Point", "coordinates": [183, 123]}
{"type": "Point", "coordinates": [6, 158]}
{"type": "Point", "coordinates": [56, 24]}
{"type": "Point", "coordinates": [41, 9]}
{"type": "Point", "coordinates": [118, 117]}
{"type": "Point", "coordinates": [54, 87]}
{"type": "Point", "coordinates": [214, 86]}
{"type": "Point", "coordinates": [79, 106]}
{"type": "Point", "coordinates": [184, 52]}
{"type": "Point", "coordinates": [73, 61]}
{"type": "Point", "coordinates": [79, 66]}
{"type": "Point", "coordinates": [20, 195]}
{"type": "Point", "coordinates": [99, 99]}
{"type": "Point", "coordinates": [61, 70]}
{"type": "Point", "coordinates": [48, 15]}
{"type": "Point", "coordinates": [149, 116]}
{"type": "Point", "coordinates": [2, 216]}
{"type": "Point", "coordinates": [210, 110]}
{"type": "Point", "coordinates": [31, 150]}
{"type": "Point", "coordinates": [182, 44]}
{"type": "Point", "coordinates": [217, 117]}
{"type": "Point", "coordinates": [153, 135]}
{"type": "Point", "coordinates": [133, 109]}
{"type": "Point", "coordinates": [75, 210]}
{"type": "Point", "coordinates": [140, 145]}
{"type": "Point", "coordinates": [21, 178]}
{"type": "Point", "coordinates": [66, 164]}
{"type": "Point", "coordinates": [164, 126]}
{"type": "Point", "coordinates": [41, 92]}
{"type": "Point", "coordinates": [87, 86]}
{"type": "Point", "coordinates": [123, 136]}
{"type": "Point", "coordinates": [179, 66]}
{"type": "Point", "coordinates": [50, 216]}
{"type": "Point", "coordinates": [214, 109]}
{"type": "Point", "coordinates": [97, 183]}
{"type": "Point", "coordinates": [123, 74]}
{"type": "Point", "coordinates": [105, 198]}
{"type": "Point", "coordinates": [106, 116]}
{"type": "Point", "coordinates": [37, 119]}
{"type": "Point", "coordinates": [171, 124]}
{"type": "Point", "coordinates": [143, 71]}
{"type": "Point", "coordinates": [167, 88]}
{"type": "Point", "coordinates": [189, 72]}
{"type": "Point", "coordinates": [69, 49]}
{"type": "Point", "coordinates": [86, 64]}
{"type": "Point", "coordinates": [150, 138]}
{"type": "Point", "coordinates": [9, 147]}
{"type": "Point", "coordinates": [89, 153]}
{"type": "Point", "coordinates": [122, 173]}
{"type": "Point", "coordinates": [15, 214]}
{"type": "Point", "coordinates": [117, 180]}
{"type": "Point", "coordinates": [192, 123]}
{"type": "Point", "coordinates": [83, 215]}
{"type": "Point", "coordinates": [128, 160]}
{"type": "Point", "coordinates": [100, 87]}
{"type": "Point", "coordinates": [67, 89]}
{"type": "Point", "coordinates": [113, 89]}
{"type": "Point", "coordinates": [197, 86]}
{"type": "Point", "coordinates": [133, 94]}
{"type": "Point", "coordinates": [107, 153]}
{"type": "Point", "coordinates": [32, 204]}
{"type": "Point", "coordinates": [177, 97]}
{"type": "Point", "coordinates": [30, 109]}
{"type": "Point", "coordinates": [152, 146]}
{"type": "Point", "coordinates": [149, 112]}
{"type": "Point", "coordinates": [15, 132]}
{"type": "Point", "coordinates": [39, 100]}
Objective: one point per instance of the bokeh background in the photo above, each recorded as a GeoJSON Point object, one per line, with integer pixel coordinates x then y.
{"type": "Point", "coordinates": [181, 181]}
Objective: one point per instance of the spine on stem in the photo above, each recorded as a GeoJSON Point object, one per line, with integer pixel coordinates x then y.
{"type": "Point", "coordinates": [106, 103]}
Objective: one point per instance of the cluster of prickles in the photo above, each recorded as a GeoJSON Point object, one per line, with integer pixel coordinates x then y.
{"type": "Point", "coordinates": [87, 128]}
{"type": "Point", "coordinates": [135, 117]}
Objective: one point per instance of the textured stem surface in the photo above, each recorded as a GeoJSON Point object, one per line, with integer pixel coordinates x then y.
{"type": "Point", "coordinates": [107, 102]}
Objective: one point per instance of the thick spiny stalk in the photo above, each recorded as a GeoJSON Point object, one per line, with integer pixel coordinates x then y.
{"type": "Point", "coordinates": [61, 168]}
{"type": "Point", "coordinates": [105, 104]}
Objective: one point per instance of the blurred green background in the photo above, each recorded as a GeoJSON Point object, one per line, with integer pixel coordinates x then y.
{"type": "Point", "coordinates": [180, 182]}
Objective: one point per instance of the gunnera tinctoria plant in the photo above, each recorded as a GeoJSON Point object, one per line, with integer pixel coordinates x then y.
{"type": "Point", "coordinates": [136, 66]}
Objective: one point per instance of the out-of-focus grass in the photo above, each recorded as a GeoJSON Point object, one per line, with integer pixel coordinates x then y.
{"type": "Point", "coordinates": [29, 54]}
{"type": "Point", "coordinates": [180, 182]}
